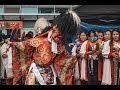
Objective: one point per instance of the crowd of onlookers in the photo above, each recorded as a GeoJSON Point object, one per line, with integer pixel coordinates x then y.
{"type": "Point", "coordinates": [98, 56]}
{"type": "Point", "coordinates": [4, 39]}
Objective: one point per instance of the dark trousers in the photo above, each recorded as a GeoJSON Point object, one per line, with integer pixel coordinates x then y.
{"type": "Point", "coordinates": [83, 82]}
{"type": "Point", "coordinates": [93, 73]}
{"type": "Point", "coordinates": [118, 76]}
{"type": "Point", "coordinates": [21, 81]}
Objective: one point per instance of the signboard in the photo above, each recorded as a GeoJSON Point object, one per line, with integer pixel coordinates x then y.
{"type": "Point", "coordinates": [10, 24]}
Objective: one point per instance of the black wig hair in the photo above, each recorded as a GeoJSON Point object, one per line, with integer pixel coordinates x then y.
{"type": "Point", "coordinates": [68, 24]}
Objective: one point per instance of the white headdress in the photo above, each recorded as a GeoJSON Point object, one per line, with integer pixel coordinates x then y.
{"type": "Point", "coordinates": [40, 25]}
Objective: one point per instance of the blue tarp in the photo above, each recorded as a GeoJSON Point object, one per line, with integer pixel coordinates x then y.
{"type": "Point", "coordinates": [87, 27]}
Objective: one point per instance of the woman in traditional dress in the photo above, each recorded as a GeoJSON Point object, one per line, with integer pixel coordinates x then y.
{"type": "Point", "coordinates": [111, 59]}
{"type": "Point", "coordinates": [107, 35]}
{"type": "Point", "coordinates": [106, 77]}
{"type": "Point", "coordinates": [91, 71]}
{"type": "Point", "coordinates": [75, 52]}
{"type": "Point", "coordinates": [115, 45]}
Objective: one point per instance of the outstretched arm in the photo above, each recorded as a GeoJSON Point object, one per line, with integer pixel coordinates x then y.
{"type": "Point", "coordinates": [34, 42]}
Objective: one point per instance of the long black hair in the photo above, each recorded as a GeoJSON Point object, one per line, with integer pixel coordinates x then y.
{"type": "Point", "coordinates": [117, 30]}
{"type": "Point", "coordinates": [108, 30]}
{"type": "Point", "coordinates": [91, 31]}
{"type": "Point", "coordinates": [85, 34]}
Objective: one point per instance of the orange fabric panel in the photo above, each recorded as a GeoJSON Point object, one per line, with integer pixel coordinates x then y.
{"type": "Point", "coordinates": [86, 60]}
{"type": "Point", "coordinates": [112, 64]}
{"type": "Point", "coordinates": [99, 70]}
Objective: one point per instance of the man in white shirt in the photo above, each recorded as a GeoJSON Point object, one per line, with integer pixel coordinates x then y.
{"type": "Point", "coordinates": [6, 64]}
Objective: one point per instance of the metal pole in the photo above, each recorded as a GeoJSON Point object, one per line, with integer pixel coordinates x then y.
{"type": "Point", "coordinates": [0, 65]}
{"type": "Point", "coordinates": [70, 7]}
{"type": "Point", "coordinates": [54, 11]}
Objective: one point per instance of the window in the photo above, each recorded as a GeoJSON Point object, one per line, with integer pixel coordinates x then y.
{"type": "Point", "coordinates": [1, 9]}
{"type": "Point", "coordinates": [28, 24]}
{"type": "Point", "coordinates": [45, 10]}
{"type": "Point", "coordinates": [60, 10]}
{"type": "Point", "coordinates": [11, 10]}
{"type": "Point", "coordinates": [29, 10]}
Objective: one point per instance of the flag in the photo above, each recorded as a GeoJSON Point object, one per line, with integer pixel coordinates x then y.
{"type": "Point", "coordinates": [15, 26]}
{"type": "Point", "coordinates": [14, 31]}
{"type": "Point", "coordinates": [13, 34]}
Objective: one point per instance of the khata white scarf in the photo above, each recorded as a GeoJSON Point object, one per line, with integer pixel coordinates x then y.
{"type": "Point", "coordinates": [54, 45]}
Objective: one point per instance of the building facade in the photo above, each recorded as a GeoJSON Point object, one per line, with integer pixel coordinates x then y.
{"type": "Point", "coordinates": [26, 15]}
